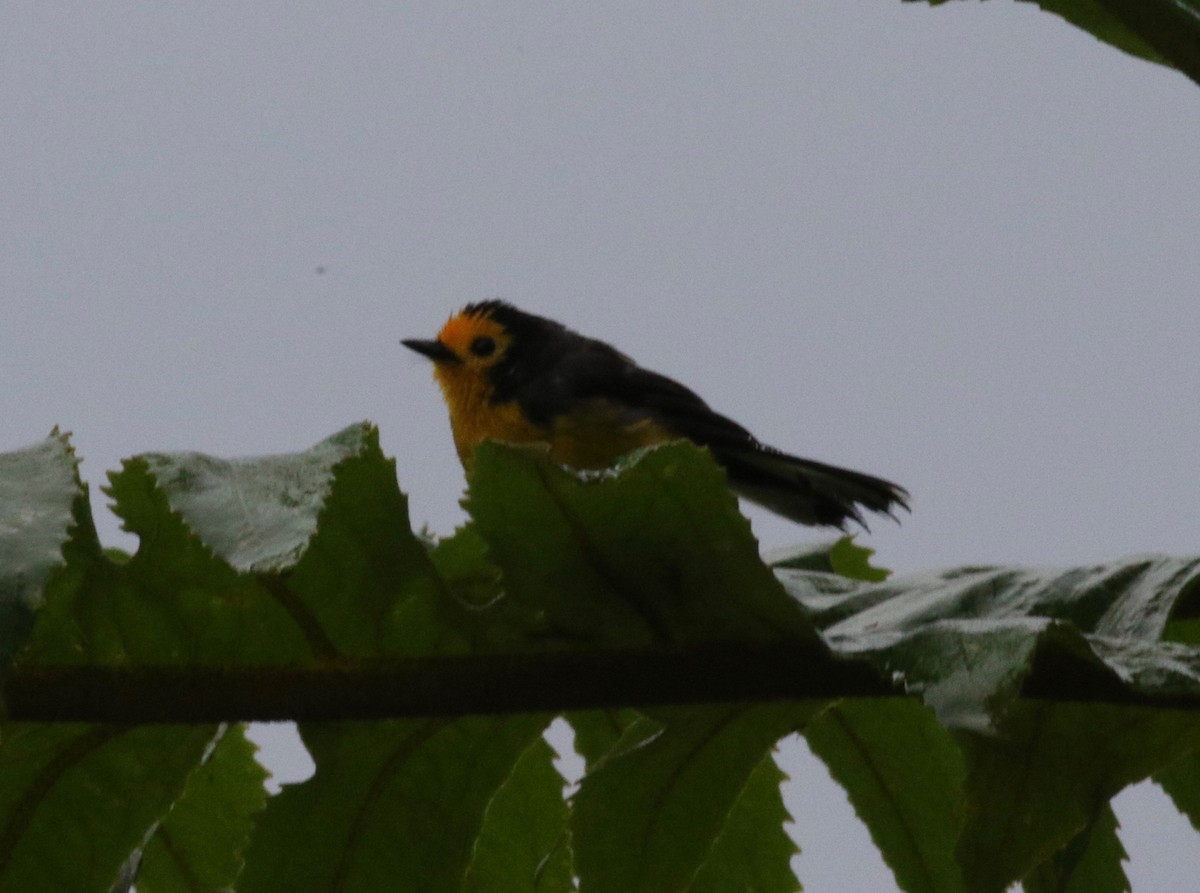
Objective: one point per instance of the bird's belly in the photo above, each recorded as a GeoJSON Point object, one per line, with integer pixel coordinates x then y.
{"type": "Point", "coordinates": [595, 436]}
{"type": "Point", "coordinates": [590, 437]}
{"type": "Point", "coordinates": [504, 422]}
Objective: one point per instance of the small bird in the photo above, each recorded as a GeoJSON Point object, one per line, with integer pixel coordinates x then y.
{"type": "Point", "coordinates": [512, 376]}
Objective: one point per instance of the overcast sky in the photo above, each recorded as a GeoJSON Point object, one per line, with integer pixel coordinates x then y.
{"type": "Point", "coordinates": [955, 247]}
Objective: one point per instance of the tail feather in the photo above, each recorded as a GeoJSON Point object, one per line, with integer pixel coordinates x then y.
{"type": "Point", "coordinates": [809, 492]}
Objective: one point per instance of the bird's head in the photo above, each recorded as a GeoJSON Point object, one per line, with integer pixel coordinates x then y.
{"type": "Point", "coordinates": [471, 342]}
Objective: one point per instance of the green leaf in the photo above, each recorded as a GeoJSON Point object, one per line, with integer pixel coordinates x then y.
{"type": "Point", "coordinates": [357, 580]}
{"type": "Point", "coordinates": [1090, 863]}
{"type": "Point", "coordinates": [904, 776]}
{"type": "Point", "coordinates": [597, 732]}
{"type": "Point", "coordinates": [76, 800]}
{"type": "Point", "coordinates": [41, 500]}
{"type": "Point", "coordinates": [330, 566]}
{"type": "Point", "coordinates": [390, 802]}
{"type": "Point", "coordinates": [970, 640]}
{"type": "Point", "coordinates": [648, 553]}
{"type": "Point", "coordinates": [1170, 27]}
{"type": "Point", "coordinates": [1034, 785]}
{"type": "Point", "coordinates": [173, 602]}
{"type": "Point", "coordinates": [523, 846]}
{"type": "Point", "coordinates": [753, 851]}
{"type": "Point", "coordinates": [256, 514]}
{"type": "Point", "coordinates": [199, 845]}
{"type": "Point", "coordinates": [479, 608]}
{"type": "Point", "coordinates": [854, 562]}
{"type": "Point", "coordinates": [462, 562]}
{"type": "Point", "coordinates": [365, 581]}
{"type": "Point", "coordinates": [651, 816]}
{"type": "Point", "coordinates": [842, 556]}
{"type": "Point", "coordinates": [1181, 781]}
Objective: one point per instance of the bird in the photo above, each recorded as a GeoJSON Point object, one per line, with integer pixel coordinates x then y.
{"type": "Point", "coordinates": [516, 377]}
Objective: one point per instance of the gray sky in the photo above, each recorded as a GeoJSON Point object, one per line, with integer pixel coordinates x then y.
{"type": "Point", "coordinates": [956, 247]}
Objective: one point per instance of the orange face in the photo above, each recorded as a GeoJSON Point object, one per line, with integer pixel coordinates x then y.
{"type": "Point", "coordinates": [470, 345]}
{"type": "Point", "coordinates": [476, 339]}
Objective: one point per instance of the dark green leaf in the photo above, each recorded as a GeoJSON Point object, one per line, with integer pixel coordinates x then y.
{"type": "Point", "coordinates": [598, 731]}
{"type": "Point", "coordinates": [257, 514]}
{"type": "Point", "coordinates": [391, 803]}
{"type": "Point", "coordinates": [523, 845]}
{"type": "Point", "coordinates": [1181, 781]}
{"type": "Point", "coordinates": [41, 500]}
{"type": "Point", "coordinates": [357, 581]}
{"type": "Point", "coordinates": [478, 608]}
{"type": "Point", "coordinates": [753, 852]}
{"type": "Point", "coordinates": [1034, 785]}
{"type": "Point", "coordinates": [842, 556]}
{"type": "Point", "coordinates": [650, 815]}
{"type": "Point", "coordinates": [1170, 27]}
{"type": "Point", "coordinates": [173, 602]}
{"type": "Point", "coordinates": [904, 775]}
{"type": "Point", "coordinates": [1090, 863]}
{"type": "Point", "coordinates": [969, 639]}
{"type": "Point", "coordinates": [199, 845]}
{"type": "Point", "coordinates": [365, 581]}
{"type": "Point", "coordinates": [648, 553]}
{"type": "Point", "coordinates": [76, 800]}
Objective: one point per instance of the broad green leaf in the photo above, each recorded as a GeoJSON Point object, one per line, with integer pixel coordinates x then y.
{"type": "Point", "coordinates": [198, 847]}
{"type": "Point", "coordinates": [1181, 781]}
{"type": "Point", "coordinates": [968, 640]}
{"type": "Point", "coordinates": [651, 816]}
{"type": "Point", "coordinates": [365, 579]}
{"type": "Point", "coordinates": [648, 553]}
{"type": "Point", "coordinates": [329, 565]}
{"type": "Point", "coordinates": [257, 514]}
{"type": "Point", "coordinates": [523, 846]}
{"type": "Point", "coordinates": [597, 732]}
{"type": "Point", "coordinates": [753, 851]}
{"type": "Point", "coordinates": [462, 562]}
{"type": "Point", "coordinates": [1183, 624]}
{"type": "Point", "coordinates": [391, 804]}
{"type": "Point", "coordinates": [1170, 27]}
{"type": "Point", "coordinates": [41, 499]}
{"type": "Point", "coordinates": [173, 602]}
{"type": "Point", "coordinates": [842, 556]}
{"type": "Point", "coordinates": [1035, 784]}
{"type": "Point", "coordinates": [1090, 863]}
{"type": "Point", "coordinates": [357, 581]}
{"type": "Point", "coordinates": [904, 775]}
{"type": "Point", "coordinates": [479, 608]}
{"type": "Point", "coordinates": [76, 800]}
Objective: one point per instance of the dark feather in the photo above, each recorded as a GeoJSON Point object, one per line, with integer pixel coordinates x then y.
{"type": "Point", "coordinates": [803, 490]}
{"type": "Point", "coordinates": [551, 369]}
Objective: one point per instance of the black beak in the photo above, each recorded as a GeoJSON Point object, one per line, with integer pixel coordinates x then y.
{"type": "Point", "coordinates": [435, 350]}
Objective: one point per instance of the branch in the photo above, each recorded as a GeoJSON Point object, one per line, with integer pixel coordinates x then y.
{"type": "Point", "coordinates": [550, 682]}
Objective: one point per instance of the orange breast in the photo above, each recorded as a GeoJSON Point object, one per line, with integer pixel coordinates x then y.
{"type": "Point", "coordinates": [591, 436]}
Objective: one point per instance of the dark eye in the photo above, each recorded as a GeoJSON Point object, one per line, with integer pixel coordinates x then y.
{"type": "Point", "coordinates": [483, 346]}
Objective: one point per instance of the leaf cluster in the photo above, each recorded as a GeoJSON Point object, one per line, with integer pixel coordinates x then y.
{"type": "Point", "coordinates": [979, 719]}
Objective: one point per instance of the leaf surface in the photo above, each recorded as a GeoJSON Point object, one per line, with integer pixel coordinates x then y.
{"type": "Point", "coordinates": [904, 775]}
{"type": "Point", "coordinates": [664, 813]}
{"type": "Point", "coordinates": [198, 847]}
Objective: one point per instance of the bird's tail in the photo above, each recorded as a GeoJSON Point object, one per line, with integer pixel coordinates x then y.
{"type": "Point", "coordinates": [809, 492]}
